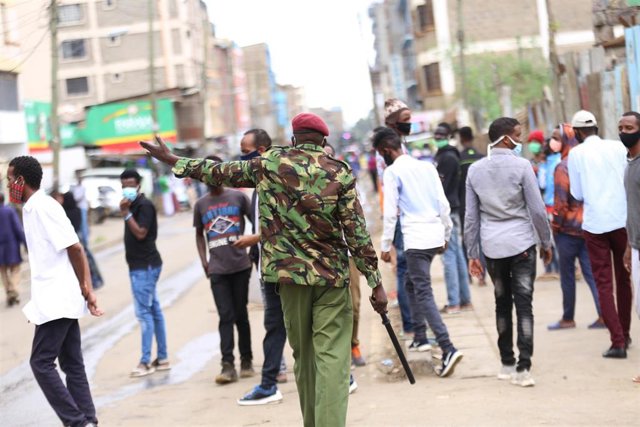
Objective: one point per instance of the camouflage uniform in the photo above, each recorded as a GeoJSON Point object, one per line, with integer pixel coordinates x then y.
{"type": "Point", "coordinates": [307, 202]}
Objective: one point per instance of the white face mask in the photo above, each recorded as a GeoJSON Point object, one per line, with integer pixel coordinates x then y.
{"type": "Point", "coordinates": [517, 149]}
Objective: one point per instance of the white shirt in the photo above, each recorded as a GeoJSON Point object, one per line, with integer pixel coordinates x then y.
{"type": "Point", "coordinates": [55, 291]}
{"type": "Point", "coordinates": [414, 187]}
{"type": "Point", "coordinates": [596, 175]}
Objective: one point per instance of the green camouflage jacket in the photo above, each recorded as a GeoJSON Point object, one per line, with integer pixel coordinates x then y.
{"type": "Point", "coordinates": [307, 200]}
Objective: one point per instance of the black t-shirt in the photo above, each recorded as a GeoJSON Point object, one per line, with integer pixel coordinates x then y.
{"type": "Point", "coordinates": [143, 253]}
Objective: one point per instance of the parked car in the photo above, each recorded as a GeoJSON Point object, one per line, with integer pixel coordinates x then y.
{"type": "Point", "coordinates": [104, 191]}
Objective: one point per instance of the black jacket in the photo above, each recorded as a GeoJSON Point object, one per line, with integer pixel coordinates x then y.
{"type": "Point", "coordinates": [448, 165]}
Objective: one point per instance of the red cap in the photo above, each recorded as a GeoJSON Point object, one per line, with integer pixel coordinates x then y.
{"type": "Point", "coordinates": [309, 122]}
{"type": "Point", "coordinates": [536, 135]}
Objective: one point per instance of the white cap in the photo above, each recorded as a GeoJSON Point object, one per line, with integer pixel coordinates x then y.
{"type": "Point", "coordinates": [583, 119]}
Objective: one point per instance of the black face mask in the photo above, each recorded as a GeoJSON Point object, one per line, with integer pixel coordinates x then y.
{"type": "Point", "coordinates": [404, 128]}
{"type": "Point", "coordinates": [387, 159]}
{"type": "Point", "coordinates": [579, 137]}
{"type": "Point", "coordinates": [630, 139]}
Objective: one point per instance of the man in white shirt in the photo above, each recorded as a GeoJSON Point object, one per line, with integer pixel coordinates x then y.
{"type": "Point", "coordinates": [413, 188]}
{"type": "Point", "coordinates": [61, 293]}
{"type": "Point", "coordinates": [596, 174]}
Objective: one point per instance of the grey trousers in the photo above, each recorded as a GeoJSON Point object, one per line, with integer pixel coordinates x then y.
{"type": "Point", "coordinates": [423, 305]}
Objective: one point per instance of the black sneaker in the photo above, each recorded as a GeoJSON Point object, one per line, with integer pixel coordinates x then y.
{"type": "Point", "coordinates": [420, 345]}
{"type": "Point", "coordinates": [449, 362]}
{"type": "Point", "coordinates": [261, 396]}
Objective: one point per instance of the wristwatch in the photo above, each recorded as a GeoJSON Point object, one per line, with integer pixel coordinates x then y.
{"type": "Point", "coordinates": [128, 217]}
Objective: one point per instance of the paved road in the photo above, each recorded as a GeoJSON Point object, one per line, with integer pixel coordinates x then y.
{"type": "Point", "coordinates": [574, 384]}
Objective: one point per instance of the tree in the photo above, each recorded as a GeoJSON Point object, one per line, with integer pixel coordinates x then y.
{"type": "Point", "coordinates": [488, 73]}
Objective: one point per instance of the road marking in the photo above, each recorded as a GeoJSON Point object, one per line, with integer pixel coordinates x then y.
{"type": "Point", "coordinates": [21, 394]}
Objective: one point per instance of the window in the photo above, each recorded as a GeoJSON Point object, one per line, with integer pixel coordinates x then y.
{"type": "Point", "coordinates": [109, 4]}
{"type": "Point", "coordinates": [70, 14]}
{"type": "Point", "coordinates": [77, 86]}
{"type": "Point", "coordinates": [9, 91]}
{"type": "Point", "coordinates": [425, 16]}
{"type": "Point", "coordinates": [432, 78]}
{"type": "Point", "coordinates": [74, 49]}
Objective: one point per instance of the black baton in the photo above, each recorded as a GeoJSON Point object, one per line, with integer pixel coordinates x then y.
{"type": "Point", "coordinates": [396, 344]}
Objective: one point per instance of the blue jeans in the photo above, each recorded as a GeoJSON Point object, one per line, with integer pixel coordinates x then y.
{"type": "Point", "coordinates": [512, 279]}
{"type": "Point", "coordinates": [148, 311]}
{"type": "Point", "coordinates": [456, 275]}
{"type": "Point", "coordinates": [569, 248]}
{"type": "Point", "coordinates": [84, 227]}
{"type": "Point", "coordinates": [423, 305]}
{"type": "Point", "coordinates": [401, 273]}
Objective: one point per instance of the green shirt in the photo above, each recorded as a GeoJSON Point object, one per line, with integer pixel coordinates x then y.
{"type": "Point", "coordinates": [307, 202]}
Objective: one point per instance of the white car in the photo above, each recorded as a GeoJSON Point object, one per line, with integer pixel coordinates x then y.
{"type": "Point", "coordinates": [104, 191]}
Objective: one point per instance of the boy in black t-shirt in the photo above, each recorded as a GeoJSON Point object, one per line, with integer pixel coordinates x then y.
{"type": "Point", "coordinates": [145, 265]}
{"type": "Point", "coordinates": [219, 221]}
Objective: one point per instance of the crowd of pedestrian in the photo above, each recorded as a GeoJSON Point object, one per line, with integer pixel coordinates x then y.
{"type": "Point", "coordinates": [577, 199]}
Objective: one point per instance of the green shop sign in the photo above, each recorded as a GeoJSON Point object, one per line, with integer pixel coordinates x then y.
{"type": "Point", "coordinates": [38, 117]}
{"type": "Point", "coordinates": [119, 126]}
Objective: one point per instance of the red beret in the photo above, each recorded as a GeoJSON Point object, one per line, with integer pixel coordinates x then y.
{"type": "Point", "coordinates": [536, 135]}
{"type": "Point", "coordinates": [309, 122]}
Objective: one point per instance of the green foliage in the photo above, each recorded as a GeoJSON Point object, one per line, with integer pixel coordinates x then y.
{"type": "Point", "coordinates": [487, 73]}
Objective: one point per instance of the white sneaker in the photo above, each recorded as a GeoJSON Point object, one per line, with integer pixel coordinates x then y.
{"type": "Point", "coordinates": [523, 379]}
{"type": "Point", "coordinates": [507, 372]}
{"type": "Point", "coordinates": [353, 385]}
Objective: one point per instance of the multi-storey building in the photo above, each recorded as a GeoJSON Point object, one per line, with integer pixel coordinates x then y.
{"type": "Point", "coordinates": [488, 27]}
{"type": "Point", "coordinates": [105, 54]}
{"type": "Point", "coordinates": [13, 137]}
{"type": "Point", "coordinates": [394, 72]}
{"type": "Point", "coordinates": [262, 87]}
{"type": "Point", "coordinates": [229, 95]}
{"type": "Point", "coordinates": [334, 120]}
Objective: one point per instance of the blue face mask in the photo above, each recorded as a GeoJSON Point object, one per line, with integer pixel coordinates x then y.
{"type": "Point", "coordinates": [130, 193]}
{"type": "Point", "coordinates": [250, 156]}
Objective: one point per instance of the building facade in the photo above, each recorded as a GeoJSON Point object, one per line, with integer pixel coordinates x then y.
{"type": "Point", "coordinates": [13, 136]}
{"type": "Point", "coordinates": [105, 54]}
{"type": "Point", "coordinates": [519, 27]}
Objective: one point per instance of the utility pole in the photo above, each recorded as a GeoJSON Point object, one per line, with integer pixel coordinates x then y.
{"type": "Point", "coordinates": [54, 143]}
{"type": "Point", "coordinates": [205, 77]}
{"type": "Point", "coordinates": [152, 74]}
{"type": "Point", "coordinates": [463, 69]}
{"type": "Point", "coordinates": [558, 102]}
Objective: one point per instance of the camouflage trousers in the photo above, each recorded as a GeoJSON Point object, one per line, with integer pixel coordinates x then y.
{"type": "Point", "coordinates": [319, 322]}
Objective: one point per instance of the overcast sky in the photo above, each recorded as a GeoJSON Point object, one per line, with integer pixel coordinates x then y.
{"type": "Point", "coordinates": [318, 44]}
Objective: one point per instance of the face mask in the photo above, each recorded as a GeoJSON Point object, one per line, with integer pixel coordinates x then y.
{"type": "Point", "coordinates": [630, 139]}
{"type": "Point", "coordinates": [579, 137]}
{"type": "Point", "coordinates": [441, 143]}
{"type": "Point", "coordinates": [516, 150]}
{"type": "Point", "coordinates": [250, 156]}
{"type": "Point", "coordinates": [404, 128]}
{"type": "Point", "coordinates": [387, 159]}
{"type": "Point", "coordinates": [130, 193]}
{"type": "Point", "coordinates": [16, 191]}
{"type": "Point", "coordinates": [555, 145]}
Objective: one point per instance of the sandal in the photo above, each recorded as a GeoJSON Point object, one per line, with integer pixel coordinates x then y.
{"type": "Point", "coordinates": [636, 379]}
